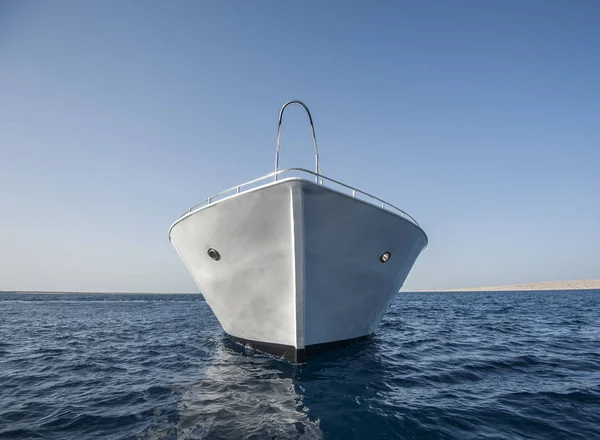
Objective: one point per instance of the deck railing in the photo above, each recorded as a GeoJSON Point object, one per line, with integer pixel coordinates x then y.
{"type": "Point", "coordinates": [321, 180]}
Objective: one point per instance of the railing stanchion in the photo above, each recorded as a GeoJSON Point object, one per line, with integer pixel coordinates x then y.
{"type": "Point", "coordinates": [373, 200]}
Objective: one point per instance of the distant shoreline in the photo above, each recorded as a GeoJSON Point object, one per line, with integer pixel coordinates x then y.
{"type": "Point", "coordinates": [546, 285]}
{"type": "Point", "coordinates": [45, 292]}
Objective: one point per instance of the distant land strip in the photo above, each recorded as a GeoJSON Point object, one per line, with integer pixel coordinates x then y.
{"type": "Point", "coordinates": [546, 285]}
{"type": "Point", "coordinates": [60, 292]}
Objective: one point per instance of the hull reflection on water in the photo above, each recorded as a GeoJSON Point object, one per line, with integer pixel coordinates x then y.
{"type": "Point", "coordinates": [252, 396]}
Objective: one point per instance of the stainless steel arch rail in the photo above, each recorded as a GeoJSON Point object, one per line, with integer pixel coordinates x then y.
{"type": "Point", "coordinates": [314, 137]}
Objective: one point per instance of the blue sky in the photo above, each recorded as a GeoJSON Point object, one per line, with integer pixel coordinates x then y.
{"type": "Point", "coordinates": [478, 118]}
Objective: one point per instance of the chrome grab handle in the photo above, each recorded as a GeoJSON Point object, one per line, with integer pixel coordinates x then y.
{"type": "Point", "coordinates": [314, 136]}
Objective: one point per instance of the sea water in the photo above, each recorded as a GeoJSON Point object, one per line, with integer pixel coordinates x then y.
{"type": "Point", "coordinates": [484, 365]}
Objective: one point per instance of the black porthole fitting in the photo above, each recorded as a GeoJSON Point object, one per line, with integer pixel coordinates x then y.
{"type": "Point", "coordinates": [214, 254]}
{"type": "Point", "coordinates": [385, 257]}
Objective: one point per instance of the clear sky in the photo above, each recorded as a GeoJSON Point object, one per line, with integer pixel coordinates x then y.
{"type": "Point", "coordinates": [481, 119]}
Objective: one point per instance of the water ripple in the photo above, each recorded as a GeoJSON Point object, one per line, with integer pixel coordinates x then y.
{"type": "Point", "coordinates": [522, 365]}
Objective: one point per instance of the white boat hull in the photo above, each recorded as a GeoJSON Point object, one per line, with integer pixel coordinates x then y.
{"type": "Point", "coordinates": [299, 269]}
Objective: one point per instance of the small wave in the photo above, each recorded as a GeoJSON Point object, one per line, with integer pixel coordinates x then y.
{"type": "Point", "coordinates": [443, 366]}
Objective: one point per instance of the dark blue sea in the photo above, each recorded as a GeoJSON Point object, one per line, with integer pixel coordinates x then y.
{"type": "Point", "coordinates": [484, 365]}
